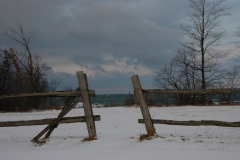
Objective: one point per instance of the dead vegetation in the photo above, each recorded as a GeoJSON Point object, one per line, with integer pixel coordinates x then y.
{"type": "Point", "coordinates": [89, 139]}
{"type": "Point", "coordinates": [148, 137]}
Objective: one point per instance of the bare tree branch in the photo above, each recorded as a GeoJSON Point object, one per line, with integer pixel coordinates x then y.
{"type": "Point", "coordinates": [197, 64]}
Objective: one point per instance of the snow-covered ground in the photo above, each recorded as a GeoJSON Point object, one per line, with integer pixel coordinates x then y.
{"type": "Point", "coordinates": [118, 136]}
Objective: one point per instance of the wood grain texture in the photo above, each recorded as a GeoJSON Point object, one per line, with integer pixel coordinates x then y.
{"type": "Point", "coordinates": [60, 116]}
{"type": "Point", "coordinates": [143, 105]}
{"type": "Point", "coordinates": [194, 123]}
{"type": "Point", "coordinates": [83, 85]}
{"type": "Point", "coordinates": [205, 91]}
{"type": "Point", "coordinates": [49, 94]}
{"type": "Point", "coordinates": [46, 121]}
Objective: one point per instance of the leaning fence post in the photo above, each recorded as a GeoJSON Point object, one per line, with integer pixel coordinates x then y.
{"type": "Point", "coordinates": [143, 105]}
{"type": "Point", "coordinates": [83, 85]}
{"type": "Point", "coordinates": [63, 111]}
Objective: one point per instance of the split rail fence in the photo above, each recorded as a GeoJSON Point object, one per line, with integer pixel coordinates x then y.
{"type": "Point", "coordinates": [148, 121]}
{"type": "Point", "coordinates": [82, 93]}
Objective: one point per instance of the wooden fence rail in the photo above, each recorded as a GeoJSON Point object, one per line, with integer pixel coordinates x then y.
{"type": "Point", "coordinates": [148, 121]}
{"type": "Point", "coordinates": [194, 123]}
{"type": "Point", "coordinates": [46, 121]}
{"type": "Point", "coordinates": [81, 93]}
{"type": "Point", "coordinates": [199, 91]}
{"type": "Point", "coordinates": [49, 94]}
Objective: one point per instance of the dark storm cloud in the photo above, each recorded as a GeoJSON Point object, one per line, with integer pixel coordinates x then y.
{"type": "Point", "coordinates": [122, 31]}
{"type": "Point", "coordinates": [110, 40]}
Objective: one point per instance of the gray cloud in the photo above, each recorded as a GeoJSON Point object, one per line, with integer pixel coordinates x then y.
{"type": "Point", "coordinates": [109, 40]}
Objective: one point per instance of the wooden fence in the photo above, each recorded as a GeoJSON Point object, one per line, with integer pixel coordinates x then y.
{"type": "Point", "coordinates": [148, 121]}
{"type": "Point", "coordinates": [81, 93]}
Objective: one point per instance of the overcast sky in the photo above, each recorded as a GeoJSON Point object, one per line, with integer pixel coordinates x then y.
{"type": "Point", "coordinates": [110, 40]}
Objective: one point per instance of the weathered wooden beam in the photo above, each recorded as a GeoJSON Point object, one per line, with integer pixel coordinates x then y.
{"type": "Point", "coordinates": [70, 101]}
{"type": "Point", "coordinates": [49, 94]}
{"type": "Point", "coordinates": [143, 105]}
{"type": "Point", "coordinates": [46, 121]}
{"type": "Point", "coordinates": [83, 85]}
{"type": "Point", "coordinates": [60, 116]}
{"type": "Point", "coordinates": [194, 123]}
{"type": "Point", "coordinates": [205, 91]}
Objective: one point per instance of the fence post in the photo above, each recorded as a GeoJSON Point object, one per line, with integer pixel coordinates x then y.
{"type": "Point", "coordinates": [63, 110]}
{"type": "Point", "coordinates": [83, 85]}
{"type": "Point", "coordinates": [53, 123]}
{"type": "Point", "coordinates": [143, 105]}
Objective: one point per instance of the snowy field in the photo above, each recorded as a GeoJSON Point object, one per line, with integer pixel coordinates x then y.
{"type": "Point", "coordinates": [118, 136]}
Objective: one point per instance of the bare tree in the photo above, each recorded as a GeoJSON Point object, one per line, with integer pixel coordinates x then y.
{"type": "Point", "coordinates": [26, 73]}
{"type": "Point", "coordinates": [5, 62]}
{"type": "Point", "coordinates": [18, 36]}
{"type": "Point", "coordinates": [29, 66]}
{"type": "Point", "coordinates": [180, 74]}
{"type": "Point", "coordinates": [231, 81]}
{"type": "Point", "coordinates": [197, 63]}
{"type": "Point", "coordinates": [203, 34]}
